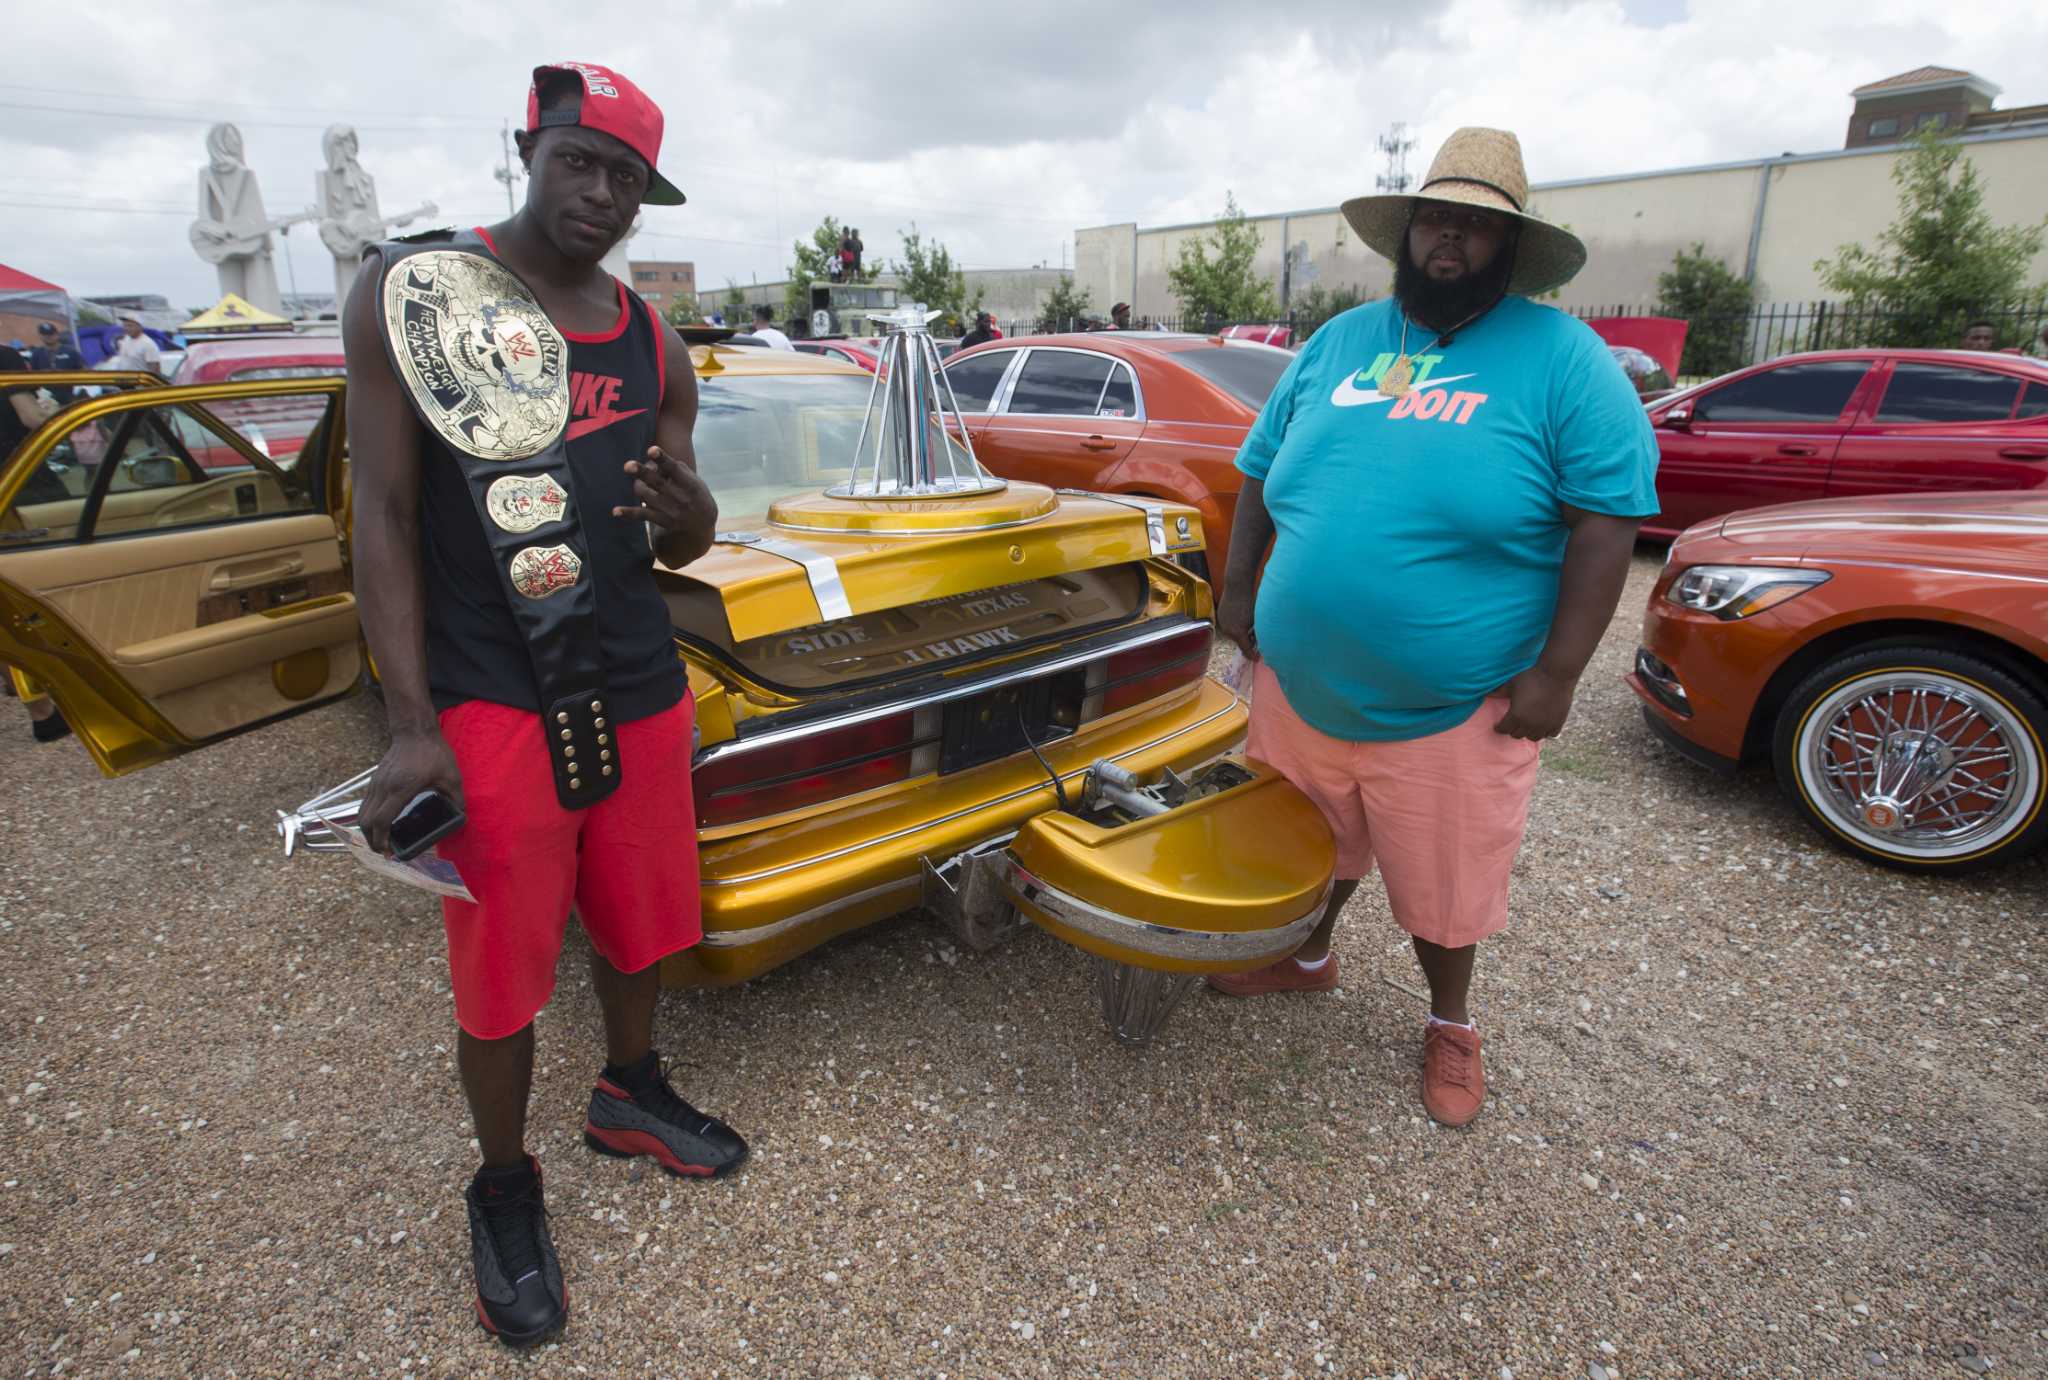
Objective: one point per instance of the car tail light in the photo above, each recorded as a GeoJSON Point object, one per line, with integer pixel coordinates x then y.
{"type": "Point", "coordinates": [1148, 672]}
{"type": "Point", "coordinates": [808, 769]}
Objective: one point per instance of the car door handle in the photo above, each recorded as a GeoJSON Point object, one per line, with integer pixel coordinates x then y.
{"type": "Point", "coordinates": [241, 577]}
{"type": "Point", "coordinates": [1098, 443]}
{"type": "Point", "coordinates": [1798, 450]}
{"type": "Point", "coordinates": [2025, 453]}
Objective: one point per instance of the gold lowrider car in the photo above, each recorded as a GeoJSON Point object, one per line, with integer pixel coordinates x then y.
{"type": "Point", "coordinates": [990, 703]}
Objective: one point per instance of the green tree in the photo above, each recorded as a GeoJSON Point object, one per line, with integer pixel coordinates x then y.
{"type": "Point", "coordinates": [1940, 262]}
{"type": "Point", "coordinates": [684, 312]}
{"type": "Point", "coordinates": [735, 301]}
{"type": "Point", "coordinates": [1214, 279]}
{"type": "Point", "coordinates": [1715, 303]}
{"type": "Point", "coordinates": [809, 261]}
{"type": "Point", "coordinates": [927, 274]}
{"type": "Point", "coordinates": [1313, 307]}
{"type": "Point", "coordinates": [1064, 308]}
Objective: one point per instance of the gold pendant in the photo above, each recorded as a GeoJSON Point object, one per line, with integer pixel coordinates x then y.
{"type": "Point", "coordinates": [1399, 376]}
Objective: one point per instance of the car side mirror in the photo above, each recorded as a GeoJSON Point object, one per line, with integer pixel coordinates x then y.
{"type": "Point", "coordinates": [1679, 418]}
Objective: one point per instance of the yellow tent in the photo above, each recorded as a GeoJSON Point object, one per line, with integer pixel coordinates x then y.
{"type": "Point", "coordinates": [231, 313]}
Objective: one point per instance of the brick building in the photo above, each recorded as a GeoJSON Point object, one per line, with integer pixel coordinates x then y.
{"type": "Point", "coordinates": [663, 281]}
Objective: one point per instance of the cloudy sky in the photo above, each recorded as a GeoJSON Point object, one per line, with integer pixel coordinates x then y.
{"type": "Point", "coordinates": [996, 128]}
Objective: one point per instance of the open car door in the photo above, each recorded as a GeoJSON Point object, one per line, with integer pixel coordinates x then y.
{"type": "Point", "coordinates": [172, 563]}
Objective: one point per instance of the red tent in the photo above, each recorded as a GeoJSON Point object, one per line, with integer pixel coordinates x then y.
{"type": "Point", "coordinates": [1662, 338]}
{"type": "Point", "coordinates": [25, 301]}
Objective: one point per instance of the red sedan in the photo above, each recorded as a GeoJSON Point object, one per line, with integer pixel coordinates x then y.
{"type": "Point", "coordinates": [1127, 412]}
{"type": "Point", "coordinates": [1889, 655]}
{"type": "Point", "coordinates": [1844, 423]}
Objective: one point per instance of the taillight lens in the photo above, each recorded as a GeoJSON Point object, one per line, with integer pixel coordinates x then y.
{"type": "Point", "coordinates": [806, 770]}
{"type": "Point", "coordinates": [1148, 672]}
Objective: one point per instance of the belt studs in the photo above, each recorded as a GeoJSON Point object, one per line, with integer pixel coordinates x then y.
{"type": "Point", "coordinates": [575, 784]}
{"type": "Point", "coordinates": [562, 716]}
{"type": "Point", "coordinates": [567, 734]}
{"type": "Point", "coordinates": [607, 771]}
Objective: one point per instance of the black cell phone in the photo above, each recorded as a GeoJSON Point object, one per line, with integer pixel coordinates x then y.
{"type": "Point", "coordinates": [426, 819]}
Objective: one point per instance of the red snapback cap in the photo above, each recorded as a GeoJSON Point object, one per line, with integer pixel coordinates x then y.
{"type": "Point", "coordinates": [609, 104]}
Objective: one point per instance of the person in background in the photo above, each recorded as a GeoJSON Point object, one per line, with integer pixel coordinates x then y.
{"type": "Point", "coordinates": [20, 415]}
{"type": "Point", "coordinates": [764, 329]}
{"type": "Point", "coordinates": [52, 354]}
{"type": "Point", "coordinates": [135, 350]}
{"type": "Point", "coordinates": [983, 332]}
{"type": "Point", "coordinates": [1980, 335]}
{"type": "Point", "coordinates": [1120, 317]}
{"type": "Point", "coordinates": [1486, 454]}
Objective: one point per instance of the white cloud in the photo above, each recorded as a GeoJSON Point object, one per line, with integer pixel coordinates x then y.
{"type": "Point", "coordinates": [997, 130]}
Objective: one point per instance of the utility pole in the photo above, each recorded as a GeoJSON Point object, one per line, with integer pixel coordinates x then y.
{"type": "Point", "coordinates": [1396, 145]}
{"type": "Point", "coordinates": [504, 171]}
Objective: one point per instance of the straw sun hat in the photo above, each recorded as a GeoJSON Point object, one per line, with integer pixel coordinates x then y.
{"type": "Point", "coordinates": [1477, 167]}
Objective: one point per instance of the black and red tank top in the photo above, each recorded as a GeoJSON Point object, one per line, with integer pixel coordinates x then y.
{"type": "Point", "coordinates": [474, 649]}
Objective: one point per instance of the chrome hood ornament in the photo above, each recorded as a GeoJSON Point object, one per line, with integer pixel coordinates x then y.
{"type": "Point", "coordinates": [913, 442]}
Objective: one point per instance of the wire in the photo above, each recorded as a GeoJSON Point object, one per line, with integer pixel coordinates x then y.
{"type": "Point", "coordinates": [1059, 787]}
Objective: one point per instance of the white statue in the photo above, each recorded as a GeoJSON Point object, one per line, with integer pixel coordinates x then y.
{"type": "Point", "coordinates": [232, 231]}
{"type": "Point", "coordinates": [346, 198]}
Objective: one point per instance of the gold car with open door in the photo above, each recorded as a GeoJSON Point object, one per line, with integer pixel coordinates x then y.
{"type": "Point", "coordinates": [172, 566]}
{"type": "Point", "coordinates": [916, 685]}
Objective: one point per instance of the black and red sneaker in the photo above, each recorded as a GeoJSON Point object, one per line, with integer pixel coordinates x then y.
{"type": "Point", "coordinates": [635, 1112]}
{"type": "Point", "coordinates": [519, 1293]}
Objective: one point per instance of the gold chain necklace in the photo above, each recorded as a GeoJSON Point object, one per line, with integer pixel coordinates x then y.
{"type": "Point", "coordinates": [1400, 375]}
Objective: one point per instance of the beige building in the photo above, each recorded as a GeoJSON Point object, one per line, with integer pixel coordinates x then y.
{"type": "Point", "coordinates": [1013, 294]}
{"type": "Point", "coordinates": [1769, 219]}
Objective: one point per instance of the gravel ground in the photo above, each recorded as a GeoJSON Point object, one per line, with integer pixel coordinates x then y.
{"type": "Point", "coordinates": [1758, 1109]}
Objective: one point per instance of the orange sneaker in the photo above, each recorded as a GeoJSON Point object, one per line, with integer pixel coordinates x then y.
{"type": "Point", "coordinates": [1453, 1082]}
{"type": "Point", "coordinates": [1285, 976]}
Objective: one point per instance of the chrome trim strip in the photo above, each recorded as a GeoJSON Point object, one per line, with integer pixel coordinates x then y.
{"type": "Point", "coordinates": [862, 532]}
{"type": "Point", "coordinates": [999, 406]}
{"type": "Point", "coordinates": [1034, 788]}
{"type": "Point", "coordinates": [1144, 637]}
{"type": "Point", "coordinates": [1155, 516]}
{"type": "Point", "coordinates": [1161, 941]}
{"type": "Point", "coordinates": [740, 939]}
{"type": "Point", "coordinates": [819, 568]}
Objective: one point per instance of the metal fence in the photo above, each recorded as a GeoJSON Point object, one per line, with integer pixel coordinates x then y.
{"type": "Point", "coordinates": [1715, 344]}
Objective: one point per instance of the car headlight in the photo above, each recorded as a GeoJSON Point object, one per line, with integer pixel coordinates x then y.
{"type": "Point", "coordinates": [1737, 591]}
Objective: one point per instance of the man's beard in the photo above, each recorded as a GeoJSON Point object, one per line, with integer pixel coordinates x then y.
{"type": "Point", "coordinates": [1443, 305]}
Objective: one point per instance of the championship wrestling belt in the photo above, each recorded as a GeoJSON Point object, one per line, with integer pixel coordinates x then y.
{"type": "Point", "coordinates": [488, 373]}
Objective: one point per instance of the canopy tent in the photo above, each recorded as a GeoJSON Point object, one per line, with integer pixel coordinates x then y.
{"type": "Point", "coordinates": [27, 301]}
{"type": "Point", "coordinates": [231, 313]}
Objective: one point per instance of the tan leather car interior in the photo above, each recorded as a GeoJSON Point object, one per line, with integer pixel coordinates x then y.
{"type": "Point", "coordinates": [199, 621]}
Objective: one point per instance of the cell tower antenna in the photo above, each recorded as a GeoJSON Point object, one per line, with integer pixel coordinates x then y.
{"type": "Point", "coordinates": [1396, 145]}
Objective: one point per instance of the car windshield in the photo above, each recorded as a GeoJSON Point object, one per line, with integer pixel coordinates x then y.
{"type": "Point", "coordinates": [1244, 372]}
{"type": "Point", "coordinates": [763, 437]}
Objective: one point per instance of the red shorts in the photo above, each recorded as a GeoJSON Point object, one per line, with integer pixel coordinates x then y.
{"type": "Point", "coordinates": [628, 863]}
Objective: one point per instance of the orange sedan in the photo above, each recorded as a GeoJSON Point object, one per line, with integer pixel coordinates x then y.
{"type": "Point", "coordinates": [1146, 413]}
{"type": "Point", "coordinates": [1889, 654]}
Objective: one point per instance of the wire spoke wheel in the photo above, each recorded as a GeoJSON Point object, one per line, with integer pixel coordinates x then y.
{"type": "Point", "coordinates": [1918, 763]}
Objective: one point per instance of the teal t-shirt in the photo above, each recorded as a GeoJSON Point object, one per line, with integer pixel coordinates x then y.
{"type": "Point", "coordinates": [1419, 539]}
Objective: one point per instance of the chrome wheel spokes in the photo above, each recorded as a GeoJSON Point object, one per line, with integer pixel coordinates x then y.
{"type": "Point", "coordinates": [1918, 763]}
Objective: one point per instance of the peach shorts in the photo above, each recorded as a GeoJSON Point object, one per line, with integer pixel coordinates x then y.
{"type": "Point", "coordinates": [1442, 816]}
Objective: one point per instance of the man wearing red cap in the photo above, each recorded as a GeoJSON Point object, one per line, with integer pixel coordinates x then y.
{"type": "Point", "coordinates": [470, 645]}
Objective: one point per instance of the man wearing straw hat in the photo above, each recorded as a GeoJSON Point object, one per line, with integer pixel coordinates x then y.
{"type": "Point", "coordinates": [1451, 481]}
